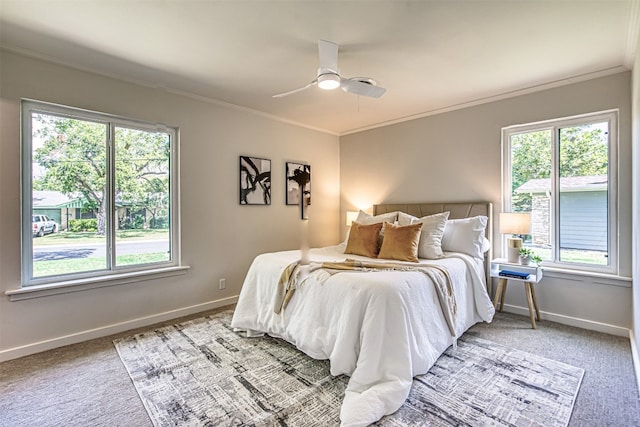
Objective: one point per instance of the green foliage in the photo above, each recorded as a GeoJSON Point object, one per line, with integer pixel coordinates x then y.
{"type": "Point", "coordinates": [75, 265]}
{"type": "Point", "coordinates": [583, 151]}
{"type": "Point", "coordinates": [74, 160]}
{"type": "Point", "coordinates": [530, 159]}
{"type": "Point", "coordinates": [529, 253]}
{"type": "Point", "coordinates": [159, 222]}
{"type": "Point", "coordinates": [526, 252]}
{"type": "Point", "coordinates": [89, 224]}
{"type": "Point", "coordinates": [134, 223]}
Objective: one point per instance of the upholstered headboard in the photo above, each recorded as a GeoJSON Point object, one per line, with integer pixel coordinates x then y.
{"type": "Point", "coordinates": [456, 210]}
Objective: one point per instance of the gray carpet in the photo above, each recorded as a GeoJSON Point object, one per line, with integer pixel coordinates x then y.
{"type": "Point", "coordinates": [200, 373]}
{"type": "Point", "coordinates": [87, 385]}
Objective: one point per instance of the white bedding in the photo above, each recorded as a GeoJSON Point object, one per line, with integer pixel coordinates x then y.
{"type": "Point", "coordinates": [380, 328]}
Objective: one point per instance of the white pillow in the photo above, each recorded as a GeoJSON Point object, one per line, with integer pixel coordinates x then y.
{"type": "Point", "coordinates": [433, 227]}
{"type": "Point", "coordinates": [405, 219]}
{"type": "Point", "coordinates": [486, 244]}
{"type": "Point", "coordinates": [365, 218]}
{"type": "Point", "coordinates": [465, 235]}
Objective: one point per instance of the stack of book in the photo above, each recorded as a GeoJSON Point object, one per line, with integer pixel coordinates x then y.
{"type": "Point", "coordinates": [514, 274]}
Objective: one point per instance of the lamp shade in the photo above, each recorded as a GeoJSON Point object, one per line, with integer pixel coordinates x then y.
{"type": "Point", "coordinates": [515, 223]}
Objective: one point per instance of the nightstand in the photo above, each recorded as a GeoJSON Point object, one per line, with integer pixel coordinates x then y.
{"type": "Point", "coordinates": [535, 275]}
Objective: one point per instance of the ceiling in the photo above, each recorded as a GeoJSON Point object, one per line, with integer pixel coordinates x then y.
{"type": "Point", "coordinates": [431, 56]}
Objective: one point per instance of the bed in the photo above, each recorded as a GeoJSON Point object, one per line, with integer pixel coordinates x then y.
{"type": "Point", "coordinates": [384, 321]}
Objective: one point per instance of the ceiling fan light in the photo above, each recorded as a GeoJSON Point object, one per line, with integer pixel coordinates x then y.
{"type": "Point", "coordinates": [328, 81]}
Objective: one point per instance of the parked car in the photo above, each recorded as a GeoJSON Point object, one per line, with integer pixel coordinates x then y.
{"type": "Point", "coordinates": [43, 225]}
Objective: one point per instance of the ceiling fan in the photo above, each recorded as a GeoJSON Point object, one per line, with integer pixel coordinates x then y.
{"type": "Point", "coordinates": [329, 78]}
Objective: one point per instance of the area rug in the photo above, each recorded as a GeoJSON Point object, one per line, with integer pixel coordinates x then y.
{"type": "Point", "coordinates": [202, 373]}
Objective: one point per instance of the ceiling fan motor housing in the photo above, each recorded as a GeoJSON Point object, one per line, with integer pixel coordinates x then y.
{"type": "Point", "coordinates": [328, 81]}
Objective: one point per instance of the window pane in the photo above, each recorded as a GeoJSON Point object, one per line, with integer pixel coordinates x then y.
{"type": "Point", "coordinates": [142, 196]}
{"type": "Point", "coordinates": [561, 171]}
{"type": "Point", "coordinates": [583, 171]}
{"type": "Point", "coordinates": [68, 192]}
{"type": "Point", "coordinates": [531, 165]}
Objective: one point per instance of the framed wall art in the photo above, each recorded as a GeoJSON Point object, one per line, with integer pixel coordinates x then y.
{"type": "Point", "coordinates": [298, 183]}
{"type": "Point", "coordinates": [255, 181]}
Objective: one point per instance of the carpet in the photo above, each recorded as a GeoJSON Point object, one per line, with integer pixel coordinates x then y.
{"type": "Point", "coordinates": [202, 373]}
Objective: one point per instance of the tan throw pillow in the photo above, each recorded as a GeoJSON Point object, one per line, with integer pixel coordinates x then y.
{"type": "Point", "coordinates": [363, 239]}
{"type": "Point", "coordinates": [400, 242]}
{"type": "Point", "coordinates": [365, 218]}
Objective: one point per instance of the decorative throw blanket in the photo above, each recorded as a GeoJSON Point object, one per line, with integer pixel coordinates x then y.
{"type": "Point", "coordinates": [296, 273]}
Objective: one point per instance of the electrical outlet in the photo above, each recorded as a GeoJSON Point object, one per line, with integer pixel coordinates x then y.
{"type": "Point", "coordinates": [222, 284]}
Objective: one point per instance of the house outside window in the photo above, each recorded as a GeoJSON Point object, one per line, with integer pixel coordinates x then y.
{"type": "Point", "coordinates": [110, 186]}
{"type": "Point", "coordinates": [564, 172]}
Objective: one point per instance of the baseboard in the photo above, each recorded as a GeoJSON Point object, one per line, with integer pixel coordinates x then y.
{"type": "Point", "coordinates": [635, 356]}
{"type": "Point", "coordinates": [572, 321]}
{"type": "Point", "coordinates": [16, 352]}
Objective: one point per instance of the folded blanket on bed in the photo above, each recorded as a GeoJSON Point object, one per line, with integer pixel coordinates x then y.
{"type": "Point", "coordinates": [296, 272]}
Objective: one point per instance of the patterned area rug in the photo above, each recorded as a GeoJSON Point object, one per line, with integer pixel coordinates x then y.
{"type": "Point", "coordinates": [201, 373]}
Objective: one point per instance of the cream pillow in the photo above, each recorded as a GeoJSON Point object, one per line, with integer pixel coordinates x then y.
{"type": "Point", "coordinates": [400, 242]}
{"type": "Point", "coordinates": [365, 218]}
{"type": "Point", "coordinates": [465, 235]}
{"type": "Point", "coordinates": [433, 226]}
{"type": "Point", "coordinates": [405, 218]}
{"type": "Point", "coordinates": [363, 239]}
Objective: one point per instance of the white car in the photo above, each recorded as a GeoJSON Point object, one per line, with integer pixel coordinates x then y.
{"type": "Point", "coordinates": [43, 225]}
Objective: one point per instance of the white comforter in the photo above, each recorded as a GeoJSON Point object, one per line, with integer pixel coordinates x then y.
{"type": "Point", "coordinates": [380, 328]}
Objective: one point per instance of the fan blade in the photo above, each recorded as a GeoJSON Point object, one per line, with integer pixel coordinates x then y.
{"type": "Point", "coordinates": [359, 87]}
{"type": "Point", "coordinates": [328, 56]}
{"type": "Point", "coordinates": [291, 92]}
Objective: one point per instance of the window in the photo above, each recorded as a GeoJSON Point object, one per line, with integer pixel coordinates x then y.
{"type": "Point", "coordinates": [101, 194]}
{"type": "Point", "coordinates": [564, 173]}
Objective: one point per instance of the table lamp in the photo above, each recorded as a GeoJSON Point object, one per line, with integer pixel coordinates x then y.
{"type": "Point", "coordinates": [514, 223]}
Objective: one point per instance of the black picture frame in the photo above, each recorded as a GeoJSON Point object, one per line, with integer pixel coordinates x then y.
{"type": "Point", "coordinates": [298, 175]}
{"type": "Point", "coordinates": [255, 181]}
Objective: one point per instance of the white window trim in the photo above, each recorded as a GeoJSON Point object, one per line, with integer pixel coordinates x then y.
{"type": "Point", "coordinates": [90, 280]}
{"type": "Point", "coordinates": [612, 117]}
{"type": "Point", "coordinates": [65, 287]}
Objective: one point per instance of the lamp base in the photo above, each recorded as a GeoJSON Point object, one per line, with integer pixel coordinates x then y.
{"type": "Point", "coordinates": [513, 249]}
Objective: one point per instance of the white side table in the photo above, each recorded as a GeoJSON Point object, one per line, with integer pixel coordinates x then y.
{"type": "Point", "coordinates": [535, 273]}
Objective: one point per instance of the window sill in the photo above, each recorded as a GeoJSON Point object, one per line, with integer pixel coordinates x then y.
{"type": "Point", "coordinates": [58, 288]}
{"type": "Point", "coordinates": [598, 278]}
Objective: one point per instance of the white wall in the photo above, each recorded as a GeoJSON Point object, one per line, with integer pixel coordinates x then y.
{"type": "Point", "coordinates": [636, 208]}
{"type": "Point", "coordinates": [219, 237]}
{"type": "Point", "coordinates": [456, 156]}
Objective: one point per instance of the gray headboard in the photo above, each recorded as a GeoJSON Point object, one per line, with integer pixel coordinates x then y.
{"type": "Point", "coordinates": [456, 210]}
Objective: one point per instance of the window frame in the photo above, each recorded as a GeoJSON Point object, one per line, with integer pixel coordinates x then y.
{"type": "Point", "coordinates": [112, 271]}
{"type": "Point", "coordinates": [554, 125]}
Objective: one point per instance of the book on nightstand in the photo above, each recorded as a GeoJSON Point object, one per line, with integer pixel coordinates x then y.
{"type": "Point", "coordinates": [514, 274]}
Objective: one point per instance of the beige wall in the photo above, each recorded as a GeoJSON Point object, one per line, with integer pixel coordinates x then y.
{"type": "Point", "coordinates": [219, 237]}
{"type": "Point", "coordinates": [446, 157]}
{"type": "Point", "coordinates": [456, 156]}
